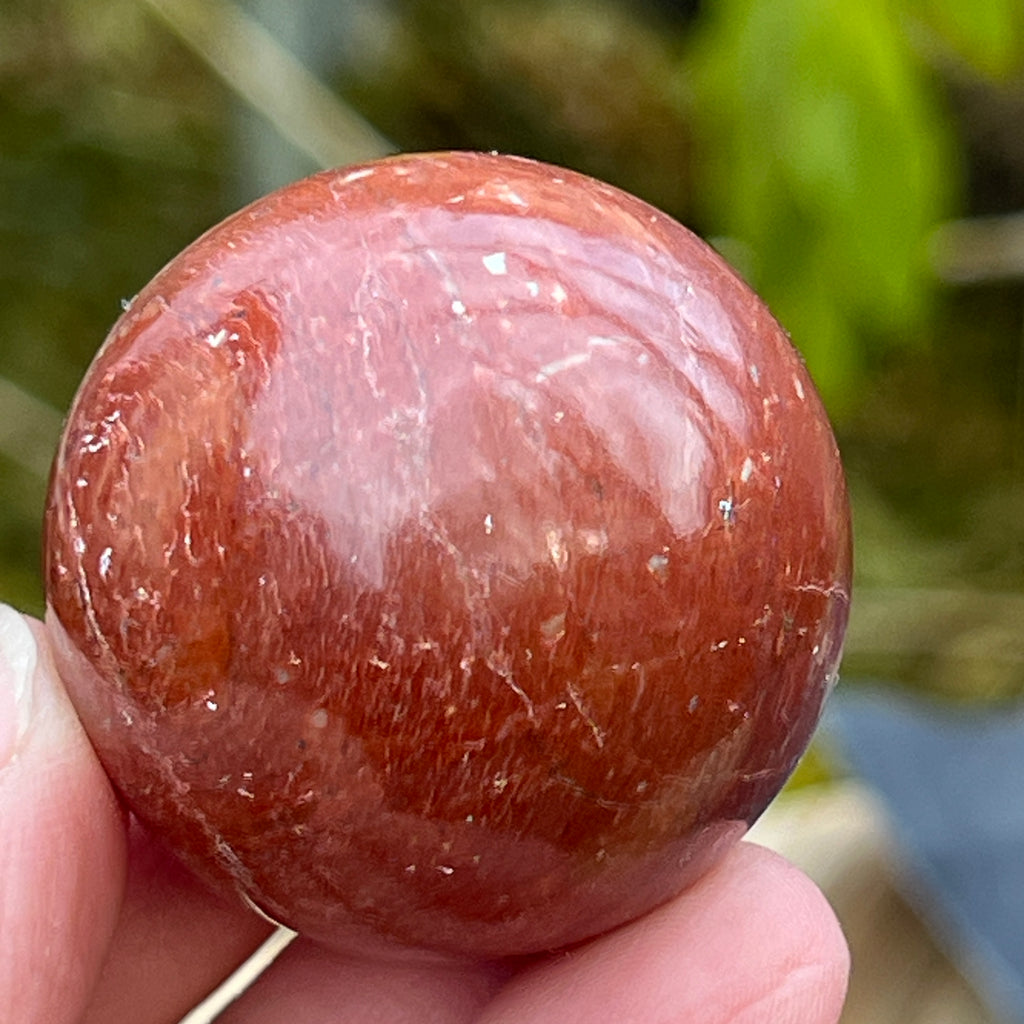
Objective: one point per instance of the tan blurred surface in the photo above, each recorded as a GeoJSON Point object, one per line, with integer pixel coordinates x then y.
{"type": "Point", "coordinates": [839, 835]}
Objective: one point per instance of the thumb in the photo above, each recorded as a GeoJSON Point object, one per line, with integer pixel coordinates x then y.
{"type": "Point", "coordinates": [62, 838]}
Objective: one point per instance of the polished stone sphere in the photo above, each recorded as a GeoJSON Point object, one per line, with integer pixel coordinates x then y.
{"type": "Point", "coordinates": [448, 552]}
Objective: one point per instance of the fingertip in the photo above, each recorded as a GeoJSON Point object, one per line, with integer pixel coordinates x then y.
{"type": "Point", "coordinates": [754, 940]}
{"type": "Point", "coordinates": [804, 978]}
{"type": "Point", "coordinates": [308, 984]}
{"type": "Point", "coordinates": [18, 658]}
{"type": "Point", "coordinates": [82, 936]}
{"type": "Point", "coordinates": [174, 942]}
{"type": "Point", "coordinates": [62, 845]}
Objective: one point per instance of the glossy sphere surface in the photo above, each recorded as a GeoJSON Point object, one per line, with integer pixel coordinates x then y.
{"type": "Point", "coordinates": [450, 552]}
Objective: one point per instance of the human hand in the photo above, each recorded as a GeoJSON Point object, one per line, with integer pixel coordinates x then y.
{"type": "Point", "coordinates": [97, 926]}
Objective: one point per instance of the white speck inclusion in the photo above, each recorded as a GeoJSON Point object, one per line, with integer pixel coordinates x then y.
{"type": "Point", "coordinates": [495, 263]}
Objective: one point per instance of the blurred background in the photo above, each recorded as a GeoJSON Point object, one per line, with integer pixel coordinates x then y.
{"type": "Point", "coordinates": [862, 164]}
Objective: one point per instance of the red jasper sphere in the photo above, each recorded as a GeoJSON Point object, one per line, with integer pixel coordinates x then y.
{"type": "Point", "coordinates": [449, 551]}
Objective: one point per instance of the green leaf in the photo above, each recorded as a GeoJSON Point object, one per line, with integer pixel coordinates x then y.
{"type": "Point", "coordinates": [823, 151]}
{"type": "Point", "coordinates": [988, 36]}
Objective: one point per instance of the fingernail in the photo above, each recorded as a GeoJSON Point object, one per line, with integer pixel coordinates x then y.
{"type": "Point", "coordinates": [18, 655]}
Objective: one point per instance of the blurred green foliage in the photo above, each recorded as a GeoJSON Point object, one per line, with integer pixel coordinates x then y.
{"type": "Point", "coordinates": [831, 164]}
{"type": "Point", "coordinates": [987, 37]}
{"type": "Point", "coordinates": [827, 152]}
{"type": "Point", "coordinates": [592, 85]}
{"type": "Point", "coordinates": [112, 156]}
{"type": "Point", "coordinates": [817, 142]}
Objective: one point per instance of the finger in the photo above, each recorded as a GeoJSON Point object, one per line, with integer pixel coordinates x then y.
{"type": "Point", "coordinates": [62, 839]}
{"type": "Point", "coordinates": [754, 941]}
{"type": "Point", "coordinates": [310, 985]}
{"type": "Point", "coordinates": [174, 942]}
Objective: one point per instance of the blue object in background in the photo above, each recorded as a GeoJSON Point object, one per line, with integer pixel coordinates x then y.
{"type": "Point", "coordinates": [952, 780]}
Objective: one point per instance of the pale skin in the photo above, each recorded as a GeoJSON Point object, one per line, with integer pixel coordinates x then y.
{"type": "Point", "coordinates": [98, 927]}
